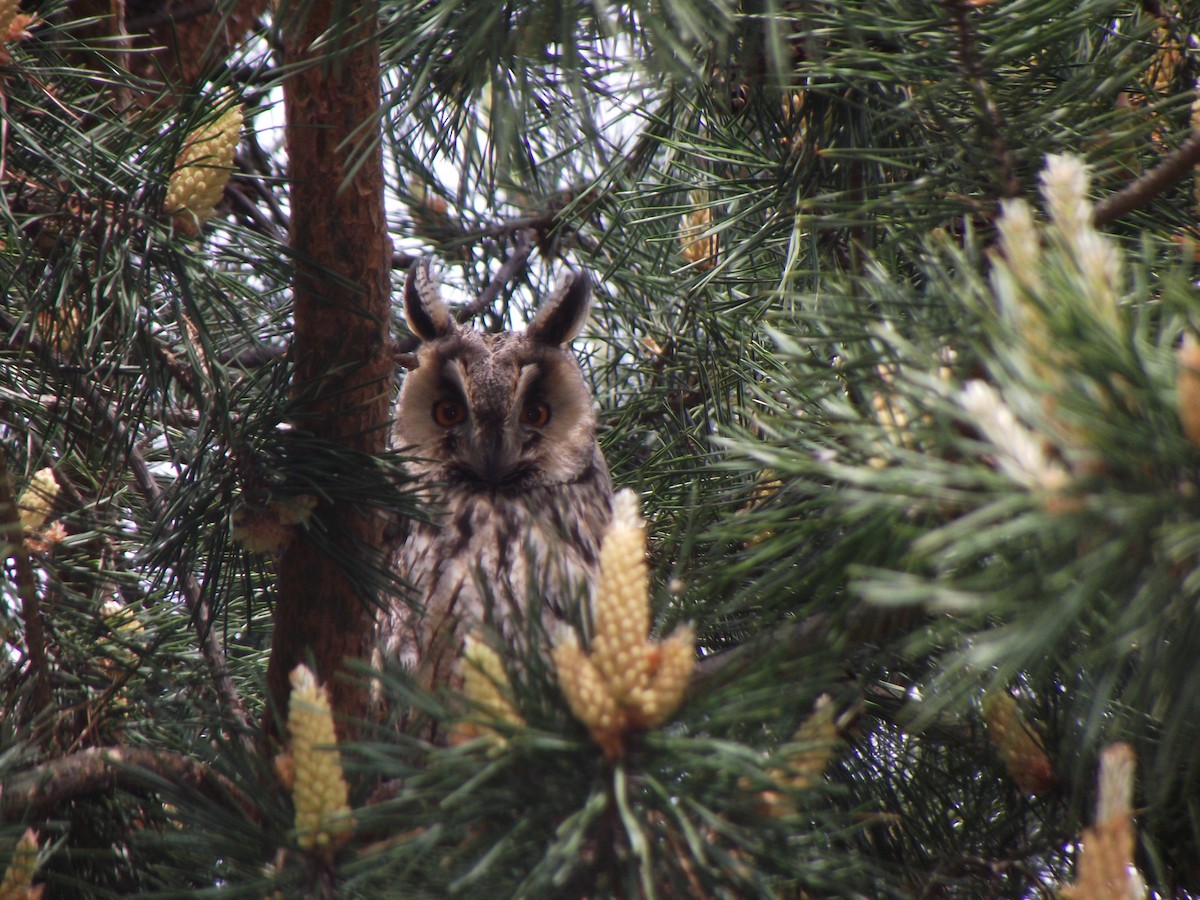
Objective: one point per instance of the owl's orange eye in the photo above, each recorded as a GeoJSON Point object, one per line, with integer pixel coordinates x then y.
{"type": "Point", "coordinates": [536, 414]}
{"type": "Point", "coordinates": [448, 412]}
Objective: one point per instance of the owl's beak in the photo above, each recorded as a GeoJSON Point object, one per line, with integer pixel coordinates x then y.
{"type": "Point", "coordinates": [494, 464]}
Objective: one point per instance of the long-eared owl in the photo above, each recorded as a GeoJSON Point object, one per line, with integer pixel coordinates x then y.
{"type": "Point", "coordinates": [501, 433]}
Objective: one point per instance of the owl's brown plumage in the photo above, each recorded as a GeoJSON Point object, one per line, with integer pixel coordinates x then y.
{"type": "Point", "coordinates": [501, 430]}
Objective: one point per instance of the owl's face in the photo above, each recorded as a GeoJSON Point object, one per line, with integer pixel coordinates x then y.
{"type": "Point", "coordinates": [501, 413]}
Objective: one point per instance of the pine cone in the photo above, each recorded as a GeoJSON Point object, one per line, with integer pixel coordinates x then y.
{"type": "Point", "coordinates": [202, 170]}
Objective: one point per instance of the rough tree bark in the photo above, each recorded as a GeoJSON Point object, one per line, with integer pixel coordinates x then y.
{"type": "Point", "coordinates": [343, 368]}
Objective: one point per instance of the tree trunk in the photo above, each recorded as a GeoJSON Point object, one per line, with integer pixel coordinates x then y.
{"type": "Point", "coordinates": [343, 369]}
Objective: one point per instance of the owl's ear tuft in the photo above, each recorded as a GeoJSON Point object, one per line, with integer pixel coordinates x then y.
{"type": "Point", "coordinates": [562, 315]}
{"type": "Point", "coordinates": [427, 313]}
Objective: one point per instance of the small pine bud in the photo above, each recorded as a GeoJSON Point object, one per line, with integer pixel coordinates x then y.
{"type": "Point", "coordinates": [675, 660]}
{"type": "Point", "coordinates": [123, 622]}
{"type": "Point", "coordinates": [587, 693]}
{"type": "Point", "coordinates": [818, 735]}
{"type": "Point", "coordinates": [1020, 749]}
{"type": "Point", "coordinates": [1105, 870]}
{"type": "Point", "coordinates": [1019, 241]}
{"type": "Point", "coordinates": [202, 170]}
{"type": "Point", "coordinates": [61, 327]}
{"type": "Point", "coordinates": [893, 417]}
{"type": "Point", "coordinates": [267, 529]}
{"type": "Point", "coordinates": [1187, 385]}
{"type": "Point", "coordinates": [621, 606]}
{"type": "Point", "coordinates": [793, 105]}
{"type": "Point", "coordinates": [1065, 181]}
{"type": "Point", "coordinates": [258, 529]}
{"type": "Point", "coordinates": [699, 247]}
{"type": "Point", "coordinates": [295, 510]}
{"type": "Point", "coordinates": [120, 617]}
{"type": "Point", "coordinates": [1118, 765]}
{"type": "Point", "coordinates": [9, 10]}
{"type": "Point", "coordinates": [319, 793]}
{"type": "Point", "coordinates": [18, 879]}
{"type": "Point", "coordinates": [486, 683]}
{"type": "Point", "coordinates": [1166, 61]}
{"type": "Point", "coordinates": [431, 215]}
{"type": "Point", "coordinates": [1105, 867]}
{"type": "Point", "coordinates": [1093, 256]}
{"type": "Point", "coordinates": [1099, 264]}
{"type": "Point", "coordinates": [37, 499]}
{"type": "Point", "coordinates": [1020, 453]}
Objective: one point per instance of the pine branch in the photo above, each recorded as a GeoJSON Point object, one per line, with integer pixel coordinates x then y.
{"type": "Point", "coordinates": [538, 222]}
{"type": "Point", "coordinates": [237, 195]}
{"type": "Point", "coordinates": [1149, 185]}
{"type": "Point", "coordinates": [42, 790]}
{"type": "Point", "coordinates": [182, 375]}
{"type": "Point", "coordinates": [250, 184]}
{"type": "Point", "coordinates": [550, 214]}
{"type": "Point", "coordinates": [800, 638]}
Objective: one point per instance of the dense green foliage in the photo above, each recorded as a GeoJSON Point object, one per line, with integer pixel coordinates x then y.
{"type": "Point", "coordinates": [791, 211]}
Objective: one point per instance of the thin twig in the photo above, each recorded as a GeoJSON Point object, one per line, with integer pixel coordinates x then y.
{"type": "Point", "coordinates": [253, 168]}
{"type": "Point", "coordinates": [525, 230]}
{"type": "Point", "coordinates": [1145, 188]}
{"type": "Point", "coordinates": [991, 123]}
{"type": "Point", "coordinates": [551, 213]}
{"type": "Point", "coordinates": [124, 44]}
{"type": "Point", "coordinates": [252, 357]}
{"type": "Point", "coordinates": [517, 258]}
{"type": "Point", "coordinates": [241, 204]}
{"type": "Point", "coordinates": [184, 377]}
{"type": "Point", "coordinates": [537, 222]}
{"type": "Point", "coordinates": [13, 534]}
{"type": "Point", "coordinates": [403, 351]}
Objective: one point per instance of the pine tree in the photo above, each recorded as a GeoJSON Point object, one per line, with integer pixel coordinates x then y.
{"type": "Point", "coordinates": [896, 347]}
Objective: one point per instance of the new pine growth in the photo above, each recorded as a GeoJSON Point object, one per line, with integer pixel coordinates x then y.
{"type": "Point", "coordinates": [628, 682]}
{"type": "Point", "coordinates": [18, 879]}
{"type": "Point", "coordinates": [1019, 747]}
{"type": "Point", "coordinates": [319, 791]}
{"type": "Point", "coordinates": [486, 685]}
{"type": "Point", "coordinates": [202, 170]}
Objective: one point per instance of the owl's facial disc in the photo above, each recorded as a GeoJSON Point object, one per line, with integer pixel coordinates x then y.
{"type": "Point", "coordinates": [501, 422]}
{"type": "Point", "coordinates": [496, 413]}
